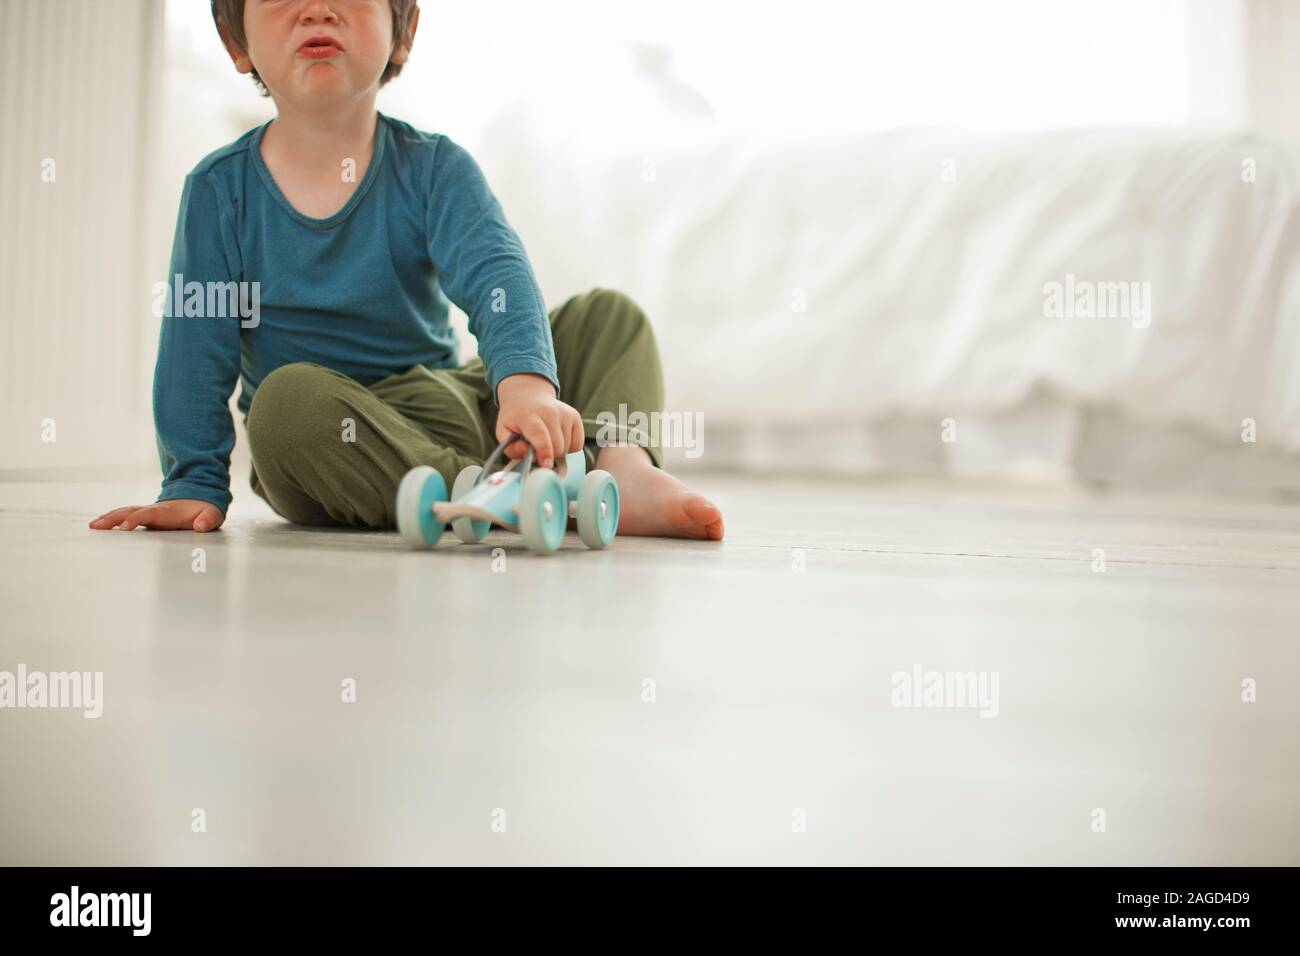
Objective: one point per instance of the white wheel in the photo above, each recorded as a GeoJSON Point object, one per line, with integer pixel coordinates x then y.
{"type": "Point", "coordinates": [543, 511]}
{"type": "Point", "coordinates": [598, 509]}
{"type": "Point", "coordinates": [469, 530]}
{"type": "Point", "coordinates": [416, 494]}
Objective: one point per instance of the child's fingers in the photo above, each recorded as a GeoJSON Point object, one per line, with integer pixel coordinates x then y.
{"type": "Point", "coordinates": [162, 516]}
{"type": "Point", "coordinates": [559, 437]}
{"type": "Point", "coordinates": [125, 514]}
{"type": "Point", "coordinates": [550, 435]}
{"type": "Point", "coordinates": [538, 433]}
{"type": "Point", "coordinates": [111, 518]}
{"type": "Point", "coordinates": [140, 516]}
{"type": "Point", "coordinates": [516, 449]}
{"type": "Point", "coordinates": [577, 434]}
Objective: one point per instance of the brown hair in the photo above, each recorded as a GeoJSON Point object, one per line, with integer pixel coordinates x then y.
{"type": "Point", "coordinates": [230, 14]}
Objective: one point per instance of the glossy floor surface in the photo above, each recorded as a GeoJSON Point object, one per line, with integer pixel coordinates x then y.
{"type": "Point", "coordinates": [1076, 666]}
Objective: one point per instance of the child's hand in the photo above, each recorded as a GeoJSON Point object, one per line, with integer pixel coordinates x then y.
{"type": "Point", "coordinates": [530, 408]}
{"type": "Point", "coordinates": [179, 514]}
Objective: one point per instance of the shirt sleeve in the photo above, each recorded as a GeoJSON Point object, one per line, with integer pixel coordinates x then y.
{"type": "Point", "coordinates": [198, 351]}
{"type": "Point", "coordinates": [484, 270]}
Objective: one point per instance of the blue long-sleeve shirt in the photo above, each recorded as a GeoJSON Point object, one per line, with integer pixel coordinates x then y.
{"type": "Point", "coordinates": [363, 291]}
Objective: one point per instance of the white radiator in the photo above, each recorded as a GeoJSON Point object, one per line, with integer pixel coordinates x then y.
{"type": "Point", "coordinates": [80, 87]}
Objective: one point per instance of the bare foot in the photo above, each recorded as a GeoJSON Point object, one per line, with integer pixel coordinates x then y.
{"type": "Point", "coordinates": [653, 502]}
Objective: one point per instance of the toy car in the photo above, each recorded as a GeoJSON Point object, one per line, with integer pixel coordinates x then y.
{"type": "Point", "coordinates": [534, 501]}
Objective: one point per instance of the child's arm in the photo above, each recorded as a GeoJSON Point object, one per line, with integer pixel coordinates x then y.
{"type": "Point", "coordinates": [196, 372]}
{"type": "Point", "coordinates": [483, 268]}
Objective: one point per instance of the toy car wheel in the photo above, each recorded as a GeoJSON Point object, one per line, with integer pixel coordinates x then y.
{"type": "Point", "coordinates": [598, 509]}
{"type": "Point", "coordinates": [416, 494]}
{"type": "Point", "coordinates": [469, 530]}
{"type": "Point", "coordinates": [543, 511]}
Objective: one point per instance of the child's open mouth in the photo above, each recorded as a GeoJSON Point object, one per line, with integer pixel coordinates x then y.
{"type": "Point", "coordinates": [319, 48]}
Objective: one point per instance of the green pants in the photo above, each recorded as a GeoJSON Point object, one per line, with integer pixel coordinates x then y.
{"type": "Point", "coordinates": [329, 451]}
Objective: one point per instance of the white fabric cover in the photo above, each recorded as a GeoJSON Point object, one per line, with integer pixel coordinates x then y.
{"type": "Point", "coordinates": [855, 290]}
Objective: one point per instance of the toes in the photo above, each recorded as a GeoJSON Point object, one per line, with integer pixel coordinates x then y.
{"type": "Point", "coordinates": [701, 510]}
{"type": "Point", "coordinates": [703, 518]}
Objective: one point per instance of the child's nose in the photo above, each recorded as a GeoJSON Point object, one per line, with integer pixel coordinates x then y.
{"type": "Point", "coordinates": [318, 11]}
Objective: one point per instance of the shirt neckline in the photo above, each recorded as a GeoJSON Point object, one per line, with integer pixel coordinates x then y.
{"type": "Point", "coordinates": [372, 172]}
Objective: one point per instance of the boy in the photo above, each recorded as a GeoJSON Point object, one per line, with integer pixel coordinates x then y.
{"type": "Point", "coordinates": [349, 227]}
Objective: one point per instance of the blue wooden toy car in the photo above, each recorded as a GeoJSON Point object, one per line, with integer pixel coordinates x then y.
{"type": "Point", "coordinates": [534, 501]}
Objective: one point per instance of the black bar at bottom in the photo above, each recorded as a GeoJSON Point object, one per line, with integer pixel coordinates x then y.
{"type": "Point", "coordinates": [1173, 905]}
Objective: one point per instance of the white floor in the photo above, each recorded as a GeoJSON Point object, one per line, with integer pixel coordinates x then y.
{"type": "Point", "coordinates": [516, 697]}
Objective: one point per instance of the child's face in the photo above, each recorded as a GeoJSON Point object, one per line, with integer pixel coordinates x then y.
{"type": "Point", "coordinates": [278, 32]}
